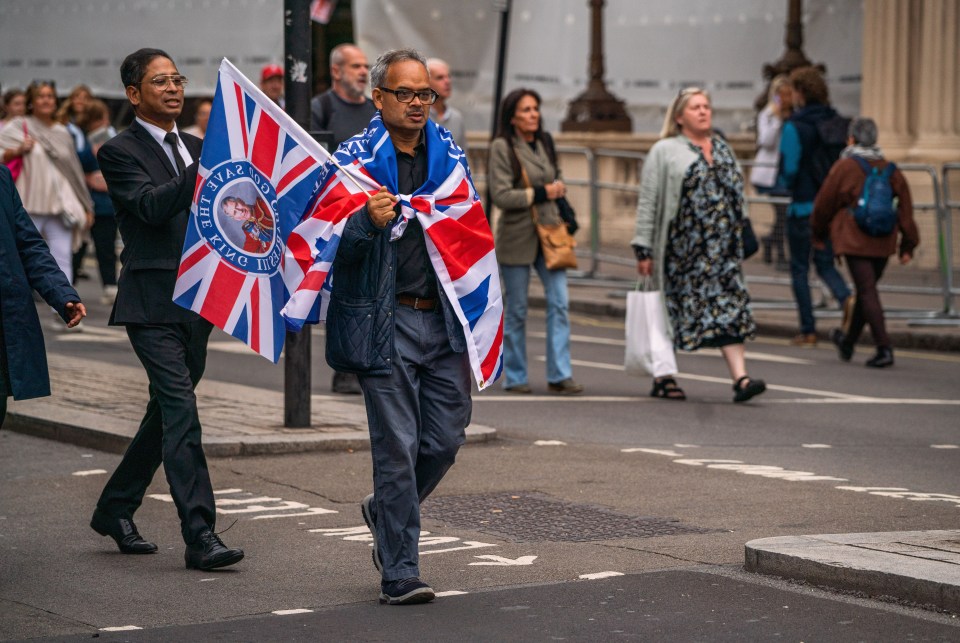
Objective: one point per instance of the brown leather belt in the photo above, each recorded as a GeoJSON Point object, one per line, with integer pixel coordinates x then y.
{"type": "Point", "coordinates": [417, 303]}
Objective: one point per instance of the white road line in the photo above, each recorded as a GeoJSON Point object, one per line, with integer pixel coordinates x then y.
{"type": "Point", "coordinates": [450, 592]}
{"type": "Point", "coordinates": [944, 446]}
{"type": "Point", "coordinates": [867, 400]}
{"type": "Point", "coordinates": [599, 575]}
{"type": "Point", "coordinates": [90, 472]}
{"type": "Point", "coordinates": [666, 452]}
{"type": "Point", "coordinates": [550, 443]}
{"type": "Point", "coordinates": [703, 352]}
{"type": "Point", "coordinates": [816, 446]}
{"type": "Point", "coordinates": [293, 611]}
{"type": "Point", "coordinates": [843, 398]}
{"type": "Point", "coordinates": [686, 446]}
{"type": "Point", "coordinates": [508, 397]}
{"type": "Point", "coordinates": [120, 628]}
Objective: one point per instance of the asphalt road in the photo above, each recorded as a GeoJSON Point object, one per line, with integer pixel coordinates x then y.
{"type": "Point", "coordinates": [613, 507]}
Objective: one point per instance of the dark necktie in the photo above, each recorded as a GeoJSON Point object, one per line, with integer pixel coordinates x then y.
{"type": "Point", "coordinates": [172, 140]}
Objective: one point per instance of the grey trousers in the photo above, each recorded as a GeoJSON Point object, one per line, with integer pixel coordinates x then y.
{"type": "Point", "coordinates": [417, 416]}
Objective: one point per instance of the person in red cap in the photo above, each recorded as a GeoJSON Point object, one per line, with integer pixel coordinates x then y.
{"type": "Point", "coordinates": [271, 82]}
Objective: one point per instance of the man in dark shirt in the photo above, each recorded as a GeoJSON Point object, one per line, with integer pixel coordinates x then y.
{"type": "Point", "coordinates": [413, 366]}
{"type": "Point", "coordinates": [344, 110]}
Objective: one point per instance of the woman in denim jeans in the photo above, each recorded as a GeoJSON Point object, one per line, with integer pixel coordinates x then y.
{"type": "Point", "coordinates": [522, 147]}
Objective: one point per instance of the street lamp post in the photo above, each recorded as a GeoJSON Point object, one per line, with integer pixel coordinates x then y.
{"type": "Point", "coordinates": [596, 109]}
{"type": "Point", "coordinates": [793, 57]}
{"type": "Point", "coordinates": [297, 87]}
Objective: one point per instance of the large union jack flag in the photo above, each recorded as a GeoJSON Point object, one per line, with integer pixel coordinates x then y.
{"type": "Point", "coordinates": [457, 235]}
{"type": "Point", "coordinates": [256, 177]}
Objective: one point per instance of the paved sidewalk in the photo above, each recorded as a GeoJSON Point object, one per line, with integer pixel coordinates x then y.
{"type": "Point", "coordinates": [99, 405]}
{"type": "Point", "coordinates": [922, 567]}
{"type": "Point", "coordinates": [914, 318]}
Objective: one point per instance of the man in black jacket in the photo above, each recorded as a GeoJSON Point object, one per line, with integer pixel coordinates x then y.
{"type": "Point", "coordinates": [151, 171]}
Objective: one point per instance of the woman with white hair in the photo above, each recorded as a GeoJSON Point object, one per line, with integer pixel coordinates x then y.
{"type": "Point", "coordinates": [763, 174]}
{"type": "Point", "coordinates": [866, 253]}
{"type": "Point", "coordinates": [690, 217]}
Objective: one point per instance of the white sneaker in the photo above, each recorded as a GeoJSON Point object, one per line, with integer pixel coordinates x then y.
{"type": "Point", "coordinates": [109, 295]}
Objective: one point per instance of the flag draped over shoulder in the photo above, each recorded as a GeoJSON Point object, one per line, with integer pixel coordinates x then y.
{"type": "Point", "coordinates": [457, 236]}
{"type": "Point", "coordinates": [257, 174]}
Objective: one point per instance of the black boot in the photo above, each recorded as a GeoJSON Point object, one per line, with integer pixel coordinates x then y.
{"type": "Point", "coordinates": [882, 359]}
{"type": "Point", "coordinates": [844, 350]}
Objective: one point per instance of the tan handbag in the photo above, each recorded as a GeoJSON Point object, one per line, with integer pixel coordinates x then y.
{"type": "Point", "coordinates": [556, 242]}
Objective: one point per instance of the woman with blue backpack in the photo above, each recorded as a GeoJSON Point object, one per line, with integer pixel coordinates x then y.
{"type": "Point", "coordinates": [863, 207]}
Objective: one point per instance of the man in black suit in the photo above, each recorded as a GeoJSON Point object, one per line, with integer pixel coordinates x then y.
{"type": "Point", "coordinates": [151, 171]}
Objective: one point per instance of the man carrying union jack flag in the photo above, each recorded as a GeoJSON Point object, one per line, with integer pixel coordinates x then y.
{"type": "Point", "coordinates": [414, 301]}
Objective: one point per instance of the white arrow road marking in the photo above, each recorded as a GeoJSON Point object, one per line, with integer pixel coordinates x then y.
{"type": "Point", "coordinates": [506, 562]}
{"type": "Point", "coordinates": [599, 575]}
{"type": "Point", "coordinates": [341, 531]}
{"type": "Point", "coordinates": [764, 470]}
{"type": "Point", "coordinates": [467, 544]}
{"type": "Point", "coordinates": [90, 472]}
{"type": "Point", "coordinates": [312, 511]}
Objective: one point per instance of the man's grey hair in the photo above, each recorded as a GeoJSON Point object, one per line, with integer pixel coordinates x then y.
{"type": "Point", "coordinates": [337, 56]}
{"type": "Point", "coordinates": [378, 73]}
{"type": "Point", "coordinates": [863, 131]}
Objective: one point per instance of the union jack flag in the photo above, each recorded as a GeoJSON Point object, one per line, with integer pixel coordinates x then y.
{"type": "Point", "coordinates": [457, 236]}
{"type": "Point", "coordinates": [256, 177]}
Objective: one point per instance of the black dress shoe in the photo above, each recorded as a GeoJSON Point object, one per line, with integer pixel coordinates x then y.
{"type": "Point", "coordinates": [882, 359]}
{"type": "Point", "coordinates": [123, 531]}
{"type": "Point", "coordinates": [209, 552]}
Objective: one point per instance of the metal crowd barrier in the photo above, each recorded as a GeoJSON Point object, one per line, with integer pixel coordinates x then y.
{"type": "Point", "coordinates": [941, 207]}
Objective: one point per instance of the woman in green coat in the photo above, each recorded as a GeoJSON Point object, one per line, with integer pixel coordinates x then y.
{"type": "Point", "coordinates": [690, 215]}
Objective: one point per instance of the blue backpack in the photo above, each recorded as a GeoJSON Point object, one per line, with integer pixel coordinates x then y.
{"type": "Point", "coordinates": [876, 209]}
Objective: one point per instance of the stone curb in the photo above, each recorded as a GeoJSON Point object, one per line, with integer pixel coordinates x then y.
{"type": "Point", "coordinates": [902, 565]}
{"type": "Point", "coordinates": [108, 439]}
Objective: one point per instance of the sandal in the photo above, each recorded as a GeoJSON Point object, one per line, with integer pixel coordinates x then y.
{"type": "Point", "coordinates": [745, 388]}
{"type": "Point", "coordinates": [666, 388]}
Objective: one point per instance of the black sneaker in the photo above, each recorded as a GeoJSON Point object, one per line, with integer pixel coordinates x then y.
{"type": "Point", "coordinates": [406, 591]}
{"type": "Point", "coordinates": [882, 359]}
{"type": "Point", "coordinates": [839, 340]}
{"type": "Point", "coordinates": [366, 508]}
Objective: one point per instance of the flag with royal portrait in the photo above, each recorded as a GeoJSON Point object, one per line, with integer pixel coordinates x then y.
{"type": "Point", "coordinates": [256, 176]}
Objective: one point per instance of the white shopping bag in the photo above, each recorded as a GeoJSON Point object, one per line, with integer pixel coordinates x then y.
{"type": "Point", "coordinates": [649, 347]}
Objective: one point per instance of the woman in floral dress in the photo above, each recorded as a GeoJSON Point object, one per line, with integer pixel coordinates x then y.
{"type": "Point", "coordinates": [690, 216]}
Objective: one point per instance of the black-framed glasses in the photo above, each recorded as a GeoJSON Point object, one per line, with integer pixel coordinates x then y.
{"type": "Point", "coordinates": [163, 80]}
{"type": "Point", "coordinates": [426, 96]}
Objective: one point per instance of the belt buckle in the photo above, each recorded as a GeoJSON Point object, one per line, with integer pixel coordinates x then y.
{"type": "Point", "coordinates": [416, 303]}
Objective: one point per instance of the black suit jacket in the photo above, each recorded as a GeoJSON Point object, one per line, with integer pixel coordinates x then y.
{"type": "Point", "coordinates": [153, 208]}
